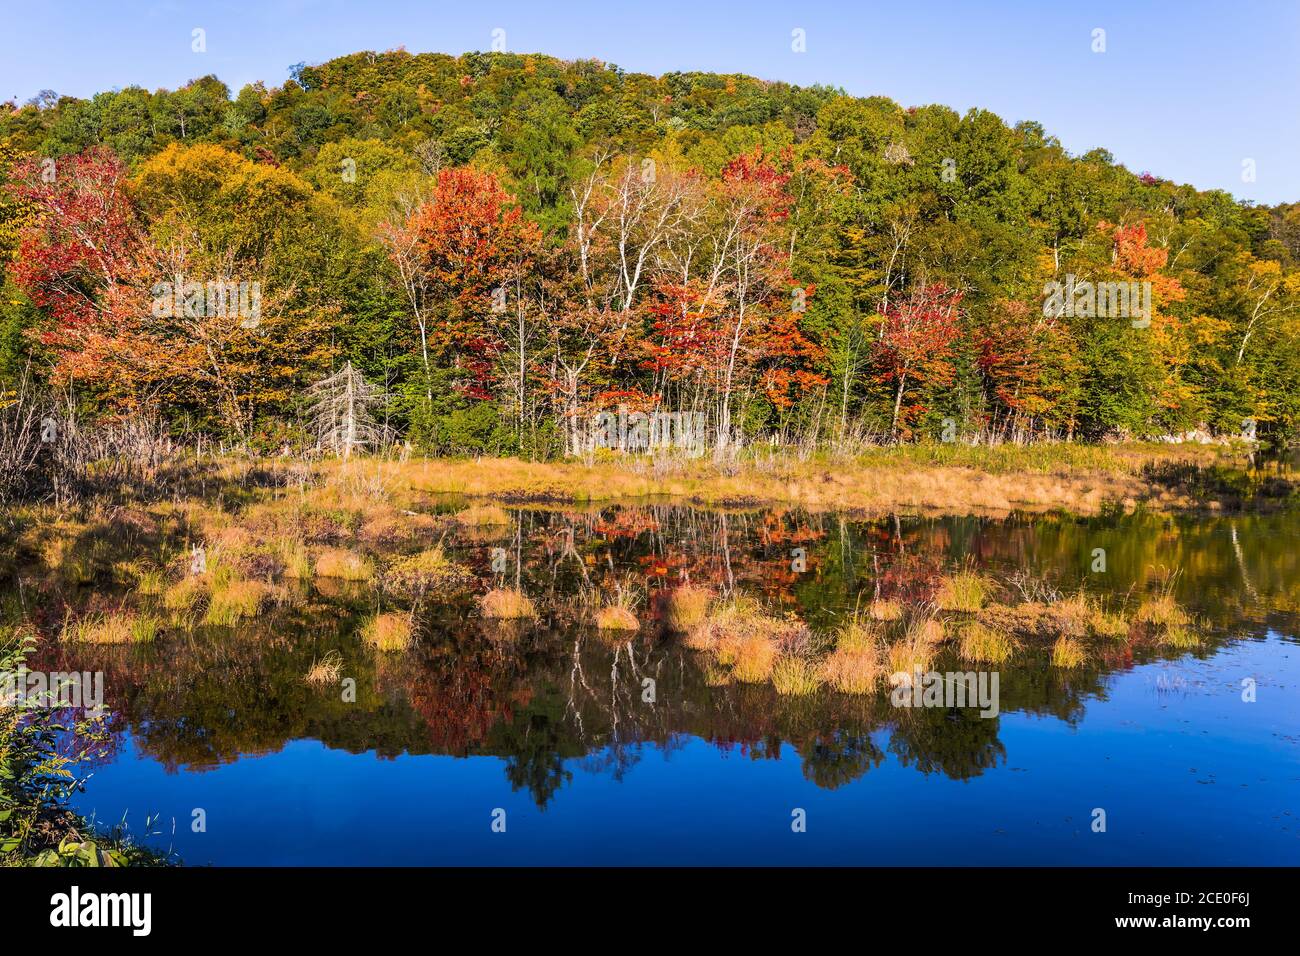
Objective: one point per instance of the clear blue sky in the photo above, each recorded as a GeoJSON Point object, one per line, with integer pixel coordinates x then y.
{"type": "Point", "coordinates": [1185, 90]}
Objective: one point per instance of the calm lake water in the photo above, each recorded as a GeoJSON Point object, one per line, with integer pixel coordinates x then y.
{"type": "Point", "coordinates": [547, 721]}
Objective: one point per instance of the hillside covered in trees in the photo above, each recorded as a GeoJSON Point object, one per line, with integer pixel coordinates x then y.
{"type": "Point", "coordinates": [507, 244]}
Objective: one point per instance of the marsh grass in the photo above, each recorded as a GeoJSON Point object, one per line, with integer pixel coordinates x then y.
{"type": "Point", "coordinates": [907, 656]}
{"type": "Point", "coordinates": [795, 676]}
{"type": "Point", "coordinates": [1180, 636]}
{"type": "Point", "coordinates": [325, 671]}
{"type": "Point", "coordinates": [293, 554]}
{"type": "Point", "coordinates": [507, 604]}
{"type": "Point", "coordinates": [344, 565]}
{"type": "Point", "coordinates": [687, 607]}
{"type": "Point", "coordinates": [1110, 624]}
{"type": "Point", "coordinates": [964, 591]}
{"type": "Point", "coordinates": [615, 617]}
{"type": "Point", "coordinates": [1067, 652]}
{"type": "Point", "coordinates": [985, 645]}
{"type": "Point", "coordinates": [755, 655]}
{"type": "Point", "coordinates": [483, 516]}
{"type": "Point", "coordinates": [427, 570]}
{"type": "Point", "coordinates": [853, 669]}
{"type": "Point", "coordinates": [1162, 611]}
{"type": "Point", "coordinates": [233, 600]}
{"type": "Point", "coordinates": [388, 631]}
{"type": "Point", "coordinates": [185, 595]}
{"type": "Point", "coordinates": [885, 610]}
{"type": "Point", "coordinates": [151, 582]}
{"type": "Point", "coordinates": [858, 634]}
{"type": "Point", "coordinates": [112, 627]}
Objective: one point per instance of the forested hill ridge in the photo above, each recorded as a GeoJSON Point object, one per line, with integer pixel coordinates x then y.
{"type": "Point", "coordinates": [505, 245]}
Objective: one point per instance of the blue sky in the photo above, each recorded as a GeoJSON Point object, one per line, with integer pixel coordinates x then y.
{"type": "Point", "coordinates": [1185, 90]}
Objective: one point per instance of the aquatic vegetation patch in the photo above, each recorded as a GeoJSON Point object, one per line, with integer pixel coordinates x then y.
{"type": "Point", "coordinates": [964, 591]}
{"type": "Point", "coordinates": [344, 565]}
{"type": "Point", "coordinates": [1162, 611]}
{"type": "Point", "coordinates": [507, 603]}
{"type": "Point", "coordinates": [388, 631]}
{"type": "Point", "coordinates": [985, 645]}
{"type": "Point", "coordinates": [430, 570]}
{"type": "Point", "coordinates": [483, 516]}
{"type": "Point", "coordinates": [853, 669]}
{"type": "Point", "coordinates": [112, 627]}
{"type": "Point", "coordinates": [755, 655]}
{"type": "Point", "coordinates": [687, 607]}
{"type": "Point", "coordinates": [794, 675]}
{"type": "Point", "coordinates": [233, 600]}
{"type": "Point", "coordinates": [1067, 652]}
{"type": "Point", "coordinates": [615, 617]}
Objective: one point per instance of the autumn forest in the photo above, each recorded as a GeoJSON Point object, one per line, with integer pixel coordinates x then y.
{"type": "Point", "coordinates": [502, 246]}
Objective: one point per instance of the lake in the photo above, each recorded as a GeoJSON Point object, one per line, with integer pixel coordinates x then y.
{"type": "Point", "coordinates": [542, 742]}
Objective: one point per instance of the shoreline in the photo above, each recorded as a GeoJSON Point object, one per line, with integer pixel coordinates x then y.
{"type": "Point", "coordinates": [1165, 480]}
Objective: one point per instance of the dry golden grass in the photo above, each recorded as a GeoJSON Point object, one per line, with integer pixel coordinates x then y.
{"type": "Point", "coordinates": [185, 594]}
{"type": "Point", "coordinates": [853, 670]}
{"type": "Point", "coordinates": [390, 631]}
{"type": "Point", "coordinates": [964, 591]}
{"type": "Point", "coordinates": [795, 676]}
{"type": "Point", "coordinates": [754, 657]}
{"type": "Point", "coordinates": [858, 634]}
{"type": "Point", "coordinates": [729, 625]}
{"type": "Point", "coordinates": [1162, 611]}
{"type": "Point", "coordinates": [881, 610]}
{"type": "Point", "coordinates": [1067, 652]}
{"type": "Point", "coordinates": [344, 565]}
{"type": "Point", "coordinates": [948, 478]}
{"type": "Point", "coordinates": [1105, 623]}
{"type": "Point", "coordinates": [922, 629]}
{"type": "Point", "coordinates": [687, 607]}
{"type": "Point", "coordinates": [483, 516]}
{"type": "Point", "coordinates": [906, 656]}
{"type": "Point", "coordinates": [614, 617]}
{"type": "Point", "coordinates": [113, 627]}
{"type": "Point", "coordinates": [507, 603]}
{"type": "Point", "coordinates": [984, 645]}
{"type": "Point", "coordinates": [327, 670]}
{"type": "Point", "coordinates": [234, 600]}
{"type": "Point", "coordinates": [1180, 636]}
{"type": "Point", "coordinates": [428, 569]}
{"type": "Point", "coordinates": [1073, 614]}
